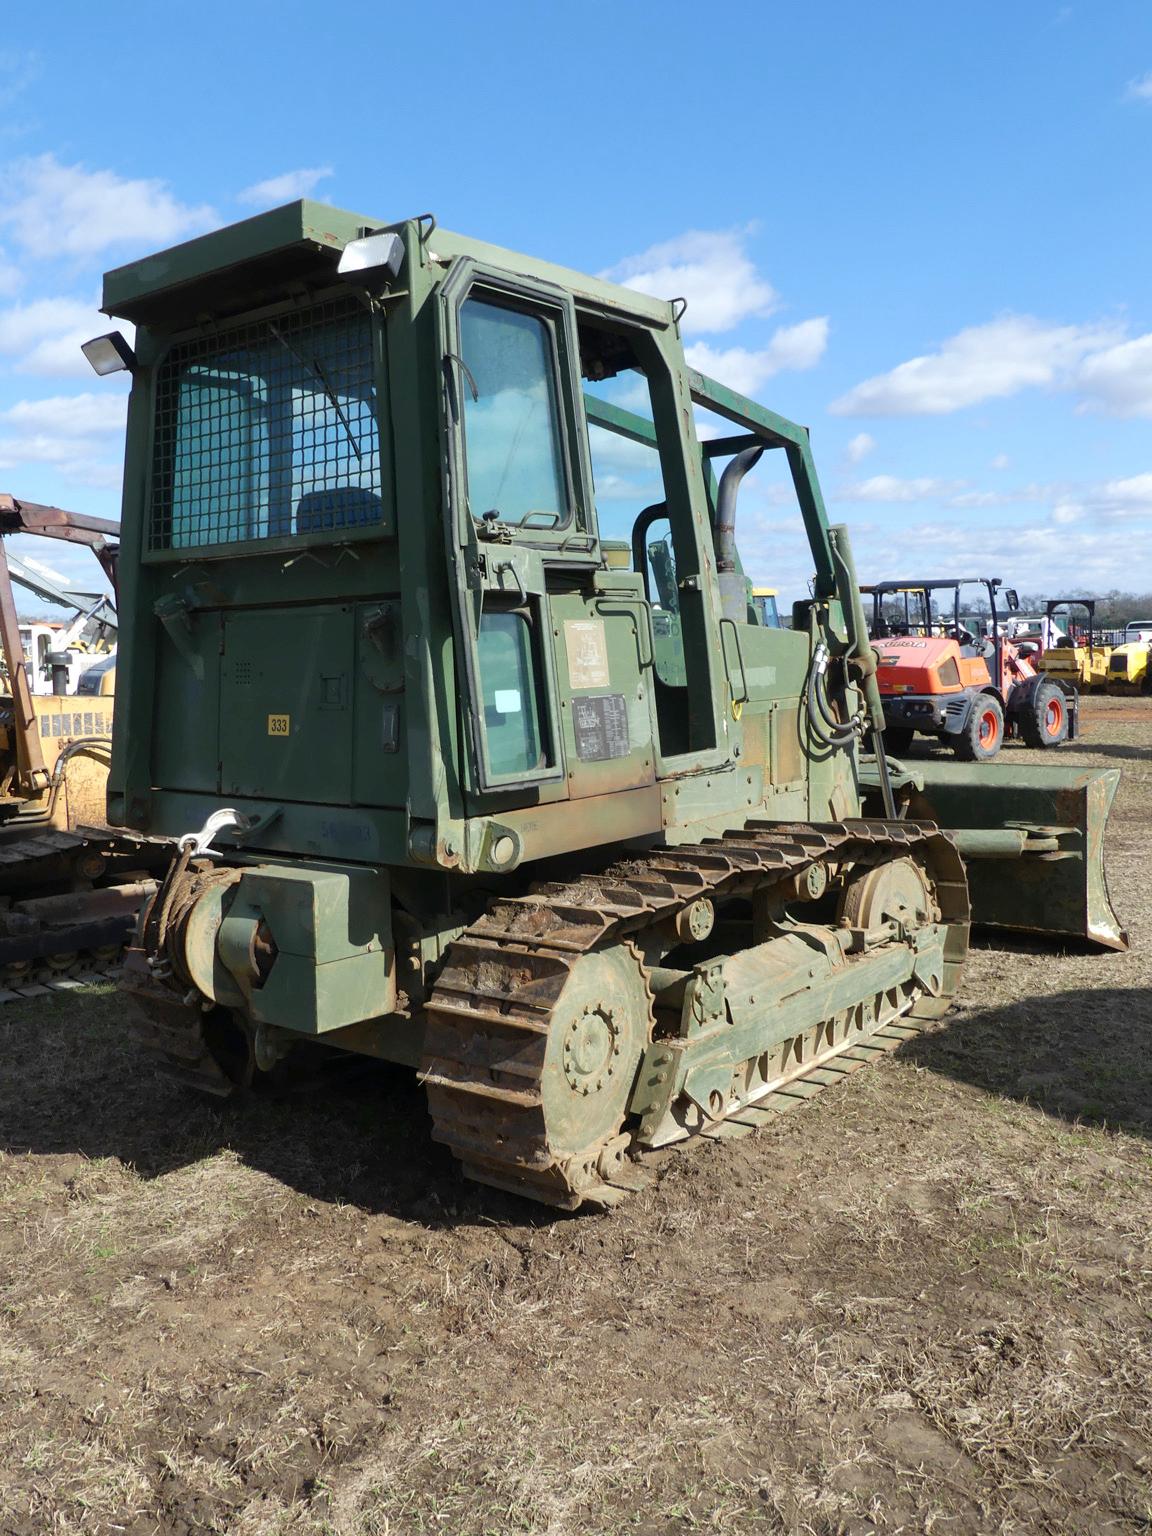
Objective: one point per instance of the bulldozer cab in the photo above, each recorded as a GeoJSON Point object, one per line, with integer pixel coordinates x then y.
{"type": "Point", "coordinates": [421, 561]}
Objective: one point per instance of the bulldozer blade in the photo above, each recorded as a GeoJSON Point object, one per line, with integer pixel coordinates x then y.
{"type": "Point", "coordinates": [1032, 839]}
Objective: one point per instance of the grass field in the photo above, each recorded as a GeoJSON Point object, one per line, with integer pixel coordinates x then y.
{"type": "Point", "coordinates": [921, 1304]}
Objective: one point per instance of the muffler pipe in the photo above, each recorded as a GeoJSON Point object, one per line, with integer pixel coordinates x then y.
{"type": "Point", "coordinates": [733, 586]}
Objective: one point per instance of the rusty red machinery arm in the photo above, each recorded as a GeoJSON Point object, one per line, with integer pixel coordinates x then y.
{"type": "Point", "coordinates": [99, 534]}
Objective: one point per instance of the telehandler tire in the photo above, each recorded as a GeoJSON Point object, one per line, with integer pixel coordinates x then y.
{"type": "Point", "coordinates": [983, 732]}
{"type": "Point", "coordinates": [1044, 722]}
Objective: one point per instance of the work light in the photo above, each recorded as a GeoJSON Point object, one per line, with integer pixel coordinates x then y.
{"type": "Point", "coordinates": [109, 354]}
{"type": "Point", "coordinates": [371, 259]}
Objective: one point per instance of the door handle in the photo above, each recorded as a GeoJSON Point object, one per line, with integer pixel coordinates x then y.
{"type": "Point", "coordinates": [636, 609]}
{"type": "Point", "coordinates": [522, 590]}
{"type": "Point", "coordinates": [739, 696]}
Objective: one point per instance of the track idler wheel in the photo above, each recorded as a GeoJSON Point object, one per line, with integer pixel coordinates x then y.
{"type": "Point", "coordinates": [538, 1105]}
{"type": "Point", "coordinates": [905, 895]}
{"type": "Point", "coordinates": [897, 891]}
{"type": "Point", "coordinates": [600, 1030]}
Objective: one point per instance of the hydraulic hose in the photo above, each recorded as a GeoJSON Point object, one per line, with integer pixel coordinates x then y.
{"type": "Point", "coordinates": [824, 725]}
{"type": "Point", "coordinates": [863, 655]}
{"type": "Point", "coordinates": [44, 815]}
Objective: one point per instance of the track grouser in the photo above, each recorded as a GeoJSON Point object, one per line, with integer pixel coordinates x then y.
{"type": "Point", "coordinates": [439, 663]}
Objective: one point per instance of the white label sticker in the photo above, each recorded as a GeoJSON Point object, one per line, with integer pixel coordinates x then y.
{"type": "Point", "coordinates": [508, 701]}
{"type": "Point", "coordinates": [587, 648]}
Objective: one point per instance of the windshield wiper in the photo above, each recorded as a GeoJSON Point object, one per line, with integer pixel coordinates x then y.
{"type": "Point", "coordinates": [317, 372]}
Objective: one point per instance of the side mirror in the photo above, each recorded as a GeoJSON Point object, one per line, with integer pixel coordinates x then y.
{"type": "Point", "coordinates": [1012, 599]}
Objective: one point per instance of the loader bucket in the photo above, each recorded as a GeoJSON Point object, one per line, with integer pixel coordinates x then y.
{"type": "Point", "coordinates": [1032, 839]}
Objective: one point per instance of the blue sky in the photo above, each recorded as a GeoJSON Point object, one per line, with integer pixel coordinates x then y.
{"type": "Point", "coordinates": [922, 229]}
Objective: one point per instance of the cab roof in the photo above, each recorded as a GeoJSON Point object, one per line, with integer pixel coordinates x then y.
{"type": "Point", "coordinates": [303, 241]}
{"type": "Point", "coordinates": [934, 584]}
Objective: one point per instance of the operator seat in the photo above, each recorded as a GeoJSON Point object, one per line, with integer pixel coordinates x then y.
{"type": "Point", "coordinates": [970, 644]}
{"type": "Point", "coordinates": [340, 506]}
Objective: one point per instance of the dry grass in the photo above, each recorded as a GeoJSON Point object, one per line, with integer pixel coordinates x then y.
{"type": "Point", "coordinates": [921, 1305]}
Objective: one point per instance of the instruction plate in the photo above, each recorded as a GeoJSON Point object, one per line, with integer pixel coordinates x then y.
{"type": "Point", "coordinates": [601, 727]}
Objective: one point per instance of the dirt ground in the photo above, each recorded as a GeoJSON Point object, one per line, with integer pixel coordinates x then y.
{"type": "Point", "coordinates": [923, 1303]}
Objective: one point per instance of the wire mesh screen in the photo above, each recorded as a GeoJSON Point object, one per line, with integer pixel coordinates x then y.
{"type": "Point", "coordinates": [268, 429]}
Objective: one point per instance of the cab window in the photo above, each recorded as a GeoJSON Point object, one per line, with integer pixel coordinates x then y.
{"type": "Point", "coordinates": [511, 417]}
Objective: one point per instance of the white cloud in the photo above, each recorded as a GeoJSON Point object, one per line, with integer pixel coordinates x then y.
{"type": "Point", "coordinates": [19, 69]}
{"type": "Point", "coordinates": [709, 268]}
{"type": "Point", "coordinates": [25, 324]}
{"type": "Point", "coordinates": [71, 457]}
{"type": "Point", "coordinates": [744, 370]}
{"type": "Point", "coordinates": [983, 499]}
{"type": "Point", "coordinates": [1140, 89]}
{"type": "Point", "coordinates": [64, 433]}
{"type": "Point", "coordinates": [859, 447]}
{"type": "Point", "coordinates": [1060, 557]}
{"type": "Point", "coordinates": [983, 362]}
{"type": "Point", "coordinates": [1000, 461]}
{"type": "Point", "coordinates": [45, 336]}
{"type": "Point", "coordinates": [799, 346]}
{"type": "Point", "coordinates": [285, 188]}
{"type": "Point", "coordinates": [67, 210]}
{"type": "Point", "coordinates": [11, 276]}
{"type": "Point", "coordinates": [85, 415]}
{"type": "Point", "coordinates": [892, 488]}
{"type": "Point", "coordinates": [1110, 501]}
{"type": "Point", "coordinates": [1119, 379]}
{"type": "Point", "coordinates": [1062, 552]}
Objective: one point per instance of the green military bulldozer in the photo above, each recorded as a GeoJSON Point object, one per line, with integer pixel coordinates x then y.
{"type": "Point", "coordinates": [457, 783]}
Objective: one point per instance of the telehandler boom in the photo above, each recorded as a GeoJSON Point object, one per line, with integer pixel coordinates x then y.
{"type": "Point", "coordinates": [457, 784]}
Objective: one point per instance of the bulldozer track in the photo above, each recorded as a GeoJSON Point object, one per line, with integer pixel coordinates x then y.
{"type": "Point", "coordinates": [47, 981]}
{"type": "Point", "coordinates": [489, 1017]}
{"type": "Point", "coordinates": [490, 1013]}
{"type": "Point", "coordinates": [80, 952]}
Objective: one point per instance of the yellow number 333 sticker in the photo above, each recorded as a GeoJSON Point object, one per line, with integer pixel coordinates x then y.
{"type": "Point", "coordinates": [279, 725]}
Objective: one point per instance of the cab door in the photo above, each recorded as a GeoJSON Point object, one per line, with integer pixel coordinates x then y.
{"type": "Point", "coordinates": [555, 651]}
